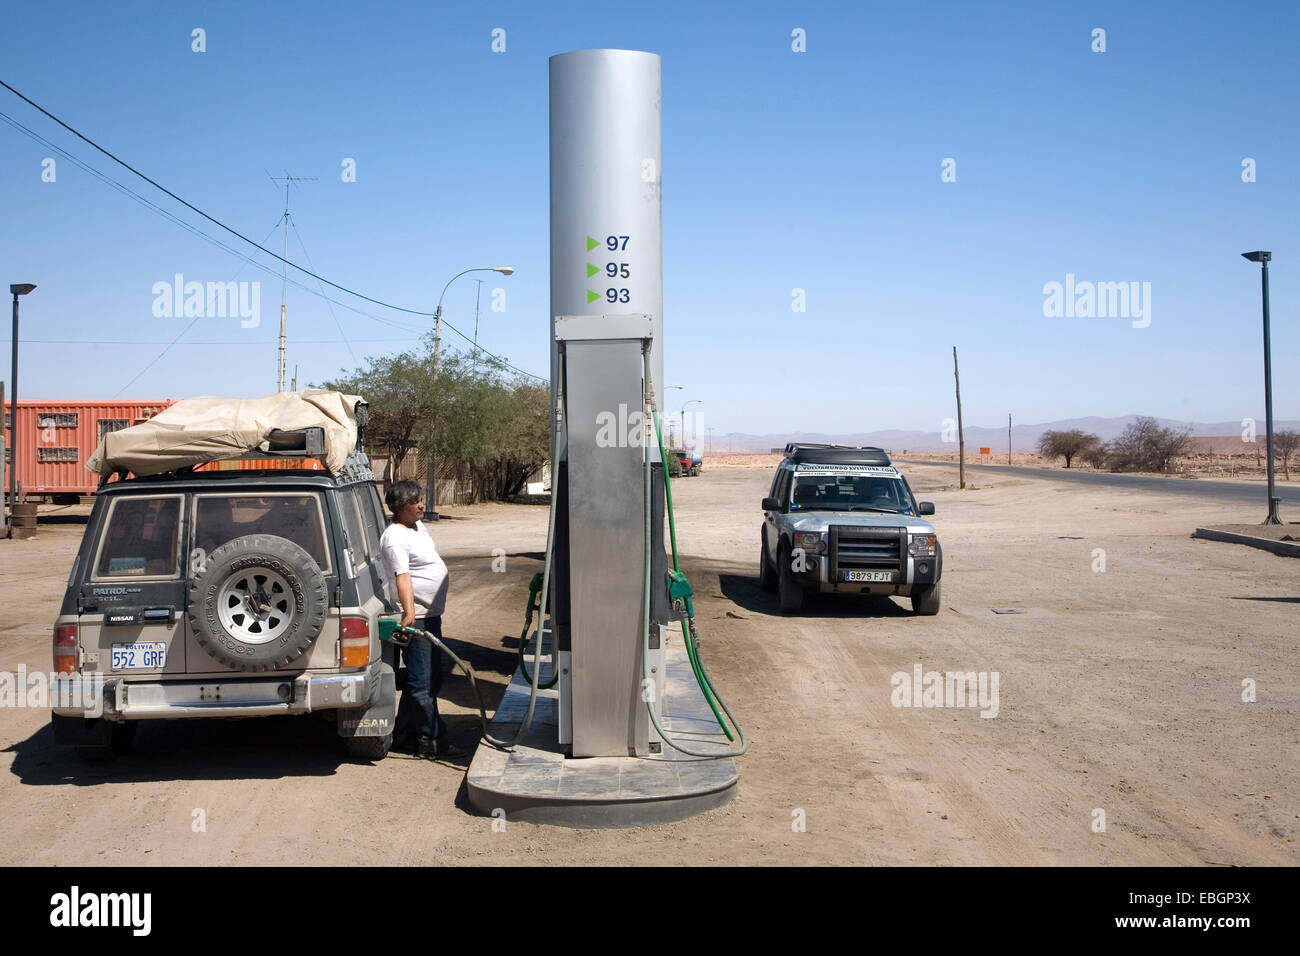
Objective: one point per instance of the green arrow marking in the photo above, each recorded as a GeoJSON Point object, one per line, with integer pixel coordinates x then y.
{"type": "Point", "coordinates": [592, 270]}
{"type": "Point", "coordinates": [591, 243]}
{"type": "Point", "coordinates": [592, 296]}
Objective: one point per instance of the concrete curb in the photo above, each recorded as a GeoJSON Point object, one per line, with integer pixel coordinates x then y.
{"type": "Point", "coordinates": [1286, 549]}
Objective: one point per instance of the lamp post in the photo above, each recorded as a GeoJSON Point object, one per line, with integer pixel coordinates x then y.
{"type": "Point", "coordinates": [1263, 257]}
{"type": "Point", "coordinates": [430, 476]}
{"type": "Point", "coordinates": [18, 288]}
{"type": "Point", "coordinates": [668, 418]}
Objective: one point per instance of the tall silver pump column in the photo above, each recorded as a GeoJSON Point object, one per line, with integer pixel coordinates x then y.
{"type": "Point", "coordinates": [606, 264]}
{"type": "Point", "coordinates": [606, 160]}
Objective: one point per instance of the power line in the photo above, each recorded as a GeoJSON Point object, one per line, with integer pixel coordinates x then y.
{"type": "Point", "coordinates": [195, 230]}
{"type": "Point", "coordinates": [173, 342]}
{"type": "Point", "coordinates": [337, 324]}
{"type": "Point", "coordinates": [248, 260]}
{"type": "Point", "coordinates": [241, 236]}
{"type": "Point", "coordinates": [260, 343]}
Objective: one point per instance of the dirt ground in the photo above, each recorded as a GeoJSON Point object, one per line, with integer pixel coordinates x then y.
{"type": "Point", "coordinates": [1120, 702]}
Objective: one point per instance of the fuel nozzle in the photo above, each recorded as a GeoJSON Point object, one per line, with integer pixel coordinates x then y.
{"type": "Point", "coordinates": [679, 593]}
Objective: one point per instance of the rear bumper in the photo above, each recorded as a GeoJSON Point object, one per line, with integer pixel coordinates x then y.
{"type": "Point", "coordinates": [115, 698]}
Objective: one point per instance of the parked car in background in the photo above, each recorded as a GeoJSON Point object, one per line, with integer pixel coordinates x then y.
{"type": "Point", "coordinates": [687, 462]}
{"type": "Point", "coordinates": [843, 520]}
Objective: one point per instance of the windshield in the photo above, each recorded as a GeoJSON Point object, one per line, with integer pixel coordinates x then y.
{"type": "Point", "coordinates": [850, 493]}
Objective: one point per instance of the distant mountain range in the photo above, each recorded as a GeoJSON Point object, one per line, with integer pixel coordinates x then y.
{"type": "Point", "coordinates": [1023, 437]}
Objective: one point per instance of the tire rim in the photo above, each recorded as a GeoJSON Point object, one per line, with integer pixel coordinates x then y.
{"type": "Point", "coordinates": [255, 607]}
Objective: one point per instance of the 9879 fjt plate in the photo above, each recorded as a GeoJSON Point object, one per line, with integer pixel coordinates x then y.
{"type": "Point", "coordinates": [869, 576]}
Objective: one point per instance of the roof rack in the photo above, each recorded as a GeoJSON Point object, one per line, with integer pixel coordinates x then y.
{"type": "Point", "coordinates": [800, 452]}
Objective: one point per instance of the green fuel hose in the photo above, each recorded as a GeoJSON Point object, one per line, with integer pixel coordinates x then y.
{"type": "Point", "coordinates": [688, 622]}
{"type": "Point", "coordinates": [689, 634]}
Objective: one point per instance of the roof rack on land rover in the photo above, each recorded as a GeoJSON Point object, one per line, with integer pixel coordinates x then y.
{"type": "Point", "coordinates": [799, 452]}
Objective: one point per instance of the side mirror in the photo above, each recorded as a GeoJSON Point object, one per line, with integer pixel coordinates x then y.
{"type": "Point", "coordinates": [925, 507]}
{"type": "Point", "coordinates": [771, 504]}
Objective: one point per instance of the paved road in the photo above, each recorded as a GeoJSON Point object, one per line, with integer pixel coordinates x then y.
{"type": "Point", "coordinates": [1233, 491]}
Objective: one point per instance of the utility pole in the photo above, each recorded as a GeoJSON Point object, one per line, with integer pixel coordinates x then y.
{"type": "Point", "coordinates": [284, 296]}
{"type": "Point", "coordinates": [1008, 438]}
{"type": "Point", "coordinates": [961, 438]}
{"type": "Point", "coordinates": [478, 293]}
{"type": "Point", "coordinates": [18, 288]}
{"type": "Point", "coordinates": [2, 451]}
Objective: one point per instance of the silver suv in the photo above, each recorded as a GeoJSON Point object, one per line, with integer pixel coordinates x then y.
{"type": "Point", "coordinates": [843, 520]}
{"type": "Point", "coordinates": [229, 593]}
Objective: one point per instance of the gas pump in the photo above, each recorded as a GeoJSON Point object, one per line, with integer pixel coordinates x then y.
{"type": "Point", "coordinates": [609, 604]}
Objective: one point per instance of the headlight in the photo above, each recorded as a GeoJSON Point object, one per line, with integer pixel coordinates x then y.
{"type": "Point", "coordinates": [921, 545]}
{"type": "Point", "coordinates": [810, 541]}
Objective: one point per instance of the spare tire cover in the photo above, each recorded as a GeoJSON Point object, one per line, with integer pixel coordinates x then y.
{"type": "Point", "coordinates": [257, 602]}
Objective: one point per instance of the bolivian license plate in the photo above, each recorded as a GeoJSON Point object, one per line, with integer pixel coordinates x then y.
{"type": "Point", "coordinates": [869, 576]}
{"type": "Point", "coordinates": [140, 655]}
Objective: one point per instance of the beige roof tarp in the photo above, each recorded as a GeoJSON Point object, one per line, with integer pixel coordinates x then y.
{"type": "Point", "coordinates": [197, 430]}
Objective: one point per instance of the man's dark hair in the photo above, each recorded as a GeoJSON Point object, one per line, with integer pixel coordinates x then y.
{"type": "Point", "coordinates": [401, 494]}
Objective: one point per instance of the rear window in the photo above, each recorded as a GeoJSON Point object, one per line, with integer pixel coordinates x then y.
{"type": "Point", "coordinates": [140, 538]}
{"type": "Point", "coordinates": [222, 518]}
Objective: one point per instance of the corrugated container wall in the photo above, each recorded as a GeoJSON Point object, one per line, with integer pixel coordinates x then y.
{"type": "Point", "coordinates": [57, 438]}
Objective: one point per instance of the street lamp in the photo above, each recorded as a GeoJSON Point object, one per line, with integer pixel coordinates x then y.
{"type": "Point", "coordinates": [18, 288]}
{"type": "Point", "coordinates": [430, 478]}
{"type": "Point", "coordinates": [668, 418]}
{"type": "Point", "coordinates": [1263, 258]}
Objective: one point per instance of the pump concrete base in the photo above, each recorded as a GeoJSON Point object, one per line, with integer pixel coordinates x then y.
{"type": "Point", "coordinates": [537, 783]}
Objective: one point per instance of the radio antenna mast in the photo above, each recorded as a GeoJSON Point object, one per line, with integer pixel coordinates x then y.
{"type": "Point", "coordinates": [284, 295]}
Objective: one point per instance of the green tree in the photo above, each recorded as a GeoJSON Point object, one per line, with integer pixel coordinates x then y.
{"type": "Point", "coordinates": [1285, 444]}
{"type": "Point", "coordinates": [488, 428]}
{"type": "Point", "coordinates": [402, 401]}
{"type": "Point", "coordinates": [1065, 444]}
{"type": "Point", "coordinates": [1146, 446]}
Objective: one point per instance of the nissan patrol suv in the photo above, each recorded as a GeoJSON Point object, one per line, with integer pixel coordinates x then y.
{"type": "Point", "coordinates": [237, 592]}
{"type": "Point", "coordinates": [843, 520]}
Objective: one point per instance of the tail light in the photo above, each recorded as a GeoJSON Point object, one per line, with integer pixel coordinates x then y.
{"type": "Point", "coordinates": [65, 649]}
{"type": "Point", "coordinates": [354, 642]}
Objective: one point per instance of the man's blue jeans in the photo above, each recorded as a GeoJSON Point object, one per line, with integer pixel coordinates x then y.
{"type": "Point", "coordinates": [417, 712]}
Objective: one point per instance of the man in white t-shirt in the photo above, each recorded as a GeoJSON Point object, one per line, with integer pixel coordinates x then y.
{"type": "Point", "coordinates": [422, 588]}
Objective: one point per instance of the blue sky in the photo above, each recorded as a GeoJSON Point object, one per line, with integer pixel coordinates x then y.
{"type": "Point", "coordinates": [817, 170]}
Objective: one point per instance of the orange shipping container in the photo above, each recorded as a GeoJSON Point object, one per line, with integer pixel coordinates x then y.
{"type": "Point", "coordinates": [56, 438]}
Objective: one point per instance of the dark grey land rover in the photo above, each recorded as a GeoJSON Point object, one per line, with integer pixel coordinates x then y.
{"type": "Point", "coordinates": [229, 593]}
{"type": "Point", "coordinates": [843, 520]}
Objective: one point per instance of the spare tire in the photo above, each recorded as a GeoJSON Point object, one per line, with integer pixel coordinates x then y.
{"type": "Point", "coordinates": [257, 603]}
